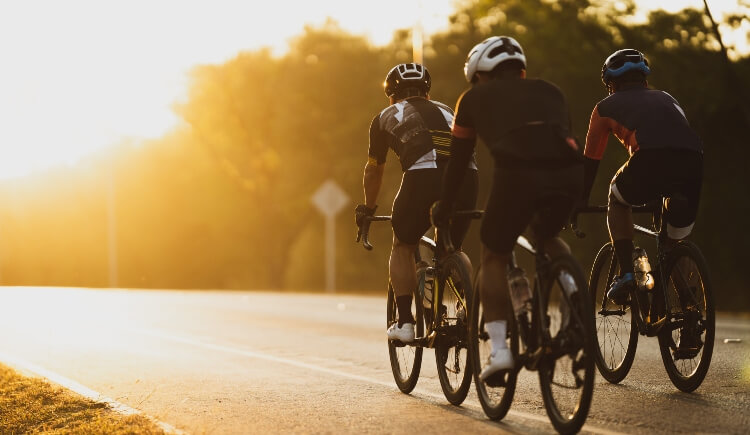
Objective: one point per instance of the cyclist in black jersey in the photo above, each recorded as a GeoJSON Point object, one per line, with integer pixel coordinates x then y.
{"type": "Point", "coordinates": [666, 157]}
{"type": "Point", "coordinates": [538, 173]}
{"type": "Point", "coordinates": [418, 131]}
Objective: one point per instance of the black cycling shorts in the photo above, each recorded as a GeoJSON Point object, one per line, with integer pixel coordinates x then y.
{"type": "Point", "coordinates": [655, 173]}
{"type": "Point", "coordinates": [541, 199]}
{"type": "Point", "coordinates": [420, 188]}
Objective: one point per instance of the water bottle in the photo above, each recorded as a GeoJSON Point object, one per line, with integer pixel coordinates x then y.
{"type": "Point", "coordinates": [642, 269]}
{"type": "Point", "coordinates": [427, 287]}
{"type": "Point", "coordinates": [520, 291]}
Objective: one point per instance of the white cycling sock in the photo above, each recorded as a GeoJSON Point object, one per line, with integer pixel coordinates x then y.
{"type": "Point", "coordinates": [497, 330]}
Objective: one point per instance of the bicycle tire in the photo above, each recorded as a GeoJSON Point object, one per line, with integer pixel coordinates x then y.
{"type": "Point", "coordinates": [616, 334]}
{"type": "Point", "coordinates": [451, 345]}
{"type": "Point", "coordinates": [566, 377]}
{"type": "Point", "coordinates": [406, 361]}
{"type": "Point", "coordinates": [689, 295]}
{"type": "Point", "coordinates": [495, 400]}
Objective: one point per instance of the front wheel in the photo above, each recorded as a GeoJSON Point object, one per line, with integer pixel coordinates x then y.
{"type": "Point", "coordinates": [497, 395]}
{"type": "Point", "coordinates": [406, 360]}
{"type": "Point", "coordinates": [615, 330]}
{"type": "Point", "coordinates": [451, 345]}
{"type": "Point", "coordinates": [566, 376]}
{"type": "Point", "coordinates": [687, 340]}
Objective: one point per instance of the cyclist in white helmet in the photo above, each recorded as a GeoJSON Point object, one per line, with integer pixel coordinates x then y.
{"type": "Point", "coordinates": [418, 131]}
{"type": "Point", "coordinates": [538, 172]}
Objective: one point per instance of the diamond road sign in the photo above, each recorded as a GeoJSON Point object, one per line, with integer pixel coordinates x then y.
{"type": "Point", "coordinates": [330, 198]}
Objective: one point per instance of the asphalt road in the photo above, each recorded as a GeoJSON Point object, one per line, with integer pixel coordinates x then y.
{"type": "Point", "coordinates": [255, 362]}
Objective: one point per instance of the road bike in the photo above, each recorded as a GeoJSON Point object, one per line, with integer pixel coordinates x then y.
{"type": "Point", "coordinates": [552, 337]}
{"type": "Point", "coordinates": [678, 308]}
{"type": "Point", "coordinates": [441, 303]}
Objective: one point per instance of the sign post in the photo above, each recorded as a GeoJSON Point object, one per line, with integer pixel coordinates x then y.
{"type": "Point", "coordinates": [330, 199]}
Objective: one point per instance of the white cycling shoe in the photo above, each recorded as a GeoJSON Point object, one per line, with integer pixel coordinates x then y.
{"type": "Point", "coordinates": [404, 334]}
{"type": "Point", "coordinates": [501, 359]}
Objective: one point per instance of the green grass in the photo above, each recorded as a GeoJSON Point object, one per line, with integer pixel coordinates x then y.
{"type": "Point", "coordinates": [31, 405]}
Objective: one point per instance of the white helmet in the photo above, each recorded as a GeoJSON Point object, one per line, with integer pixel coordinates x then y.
{"type": "Point", "coordinates": [491, 52]}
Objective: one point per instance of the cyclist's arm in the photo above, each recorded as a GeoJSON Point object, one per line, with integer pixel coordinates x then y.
{"type": "Point", "coordinates": [596, 143]}
{"type": "Point", "coordinates": [371, 181]}
{"type": "Point", "coordinates": [373, 174]}
{"type": "Point", "coordinates": [462, 149]}
{"type": "Point", "coordinates": [463, 139]}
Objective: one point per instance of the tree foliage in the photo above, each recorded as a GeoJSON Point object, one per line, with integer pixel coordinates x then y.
{"type": "Point", "coordinates": [224, 200]}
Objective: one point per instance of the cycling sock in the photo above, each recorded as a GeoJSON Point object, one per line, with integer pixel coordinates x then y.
{"type": "Point", "coordinates": [403, 304]}
{"type": "Point", "coordinates": [624, 252]}
{"type": "Point", "coordinates": [497, 330]}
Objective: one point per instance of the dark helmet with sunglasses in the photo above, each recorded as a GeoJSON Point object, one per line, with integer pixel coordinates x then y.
{"type": "Point", "coordinates": [621, 62]}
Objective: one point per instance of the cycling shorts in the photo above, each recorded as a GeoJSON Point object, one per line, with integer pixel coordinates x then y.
{"type": "Point", "coordinates": [651, 174]}
{"type": "Point", "coordinates": [420, 188]}
{"type": "Point", "coordinates": [540, 199]}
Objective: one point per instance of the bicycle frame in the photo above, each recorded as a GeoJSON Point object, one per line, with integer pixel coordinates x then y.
{"type": "Point", "coordinates": [534, 331]}
{"type": "Point", "coordinates": [646, 326]}
{"type": "Point", "coordinates": [442, 246]}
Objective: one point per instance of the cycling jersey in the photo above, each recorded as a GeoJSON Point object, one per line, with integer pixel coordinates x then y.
{"type": "Point", "coordinates": [416, 129]}
{"type": "Point", "coordinates": [640, 118]}
{"type": "Point", "coordinates": [538, 174]}
{"type": "Point", "coordinates": [523, 121]}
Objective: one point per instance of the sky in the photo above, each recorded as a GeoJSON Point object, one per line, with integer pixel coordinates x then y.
{"type": "Point", "coordinates": [80, 75]}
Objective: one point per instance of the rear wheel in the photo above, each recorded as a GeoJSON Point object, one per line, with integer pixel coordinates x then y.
{"type": "Point", "coordinates": [406, 360]}
{"type": "Point", "coordinates": [451, 345]}
{"type": "Point", "coordinates": [496, 396]}
{"type": "Point", "coordinates": [566, 377]}
{"type": "Point", "coordinates": [687, 339]}
{"type": "Point", "coordinates": [615, 330]}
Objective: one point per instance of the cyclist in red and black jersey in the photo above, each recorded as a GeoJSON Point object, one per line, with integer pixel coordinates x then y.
{"type": "Point", "coordinates": [538, 173]}
{"type": "Point", "coordinates": [666, 157]}
{"type": "Point", "coordinates": [418, 131]}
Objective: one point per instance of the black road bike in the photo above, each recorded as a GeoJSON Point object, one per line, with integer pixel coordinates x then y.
{"type": "Point", "coordinates": [678, 309]}
{"type": "Point", "coordinates": [553, 337]}
{"type": "Point", "coordinates": [441, 303]}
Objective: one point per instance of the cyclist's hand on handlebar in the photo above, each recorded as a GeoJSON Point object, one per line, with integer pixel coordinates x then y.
{"type": "Point", "coordinates": [440, 213]}
{"type": "Point", "coordinates": [361, 212]}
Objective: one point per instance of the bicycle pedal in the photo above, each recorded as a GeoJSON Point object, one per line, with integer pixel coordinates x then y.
{"type": "Point", "coordinates": [686, 353]}
{"type": "Point", "coordinates": [498, 379]}
{"type": "Point", "coordinates": [398, 343]}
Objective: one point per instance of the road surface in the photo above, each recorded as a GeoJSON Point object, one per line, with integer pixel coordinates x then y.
{"type": "Point", "coordinates": [253, 362]}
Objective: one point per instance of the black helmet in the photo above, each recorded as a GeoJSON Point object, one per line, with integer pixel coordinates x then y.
{"type": "Point", "coordinates": [407, 75]}
{"type": "Point", "coordinates": [622, 61]}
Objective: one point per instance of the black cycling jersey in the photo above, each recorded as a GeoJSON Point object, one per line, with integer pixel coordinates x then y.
{"type": "Point", "coordinates": [411, 128]}
{"type": "Point", "coordinates": [640, 118]}
{"type": "Point", "coordinates": [538, 171]}
{"type": "Point", "coordinates": [523, 121]}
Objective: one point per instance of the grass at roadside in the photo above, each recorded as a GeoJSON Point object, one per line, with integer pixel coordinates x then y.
{"type": "Point", "coordinates": [31, 405]}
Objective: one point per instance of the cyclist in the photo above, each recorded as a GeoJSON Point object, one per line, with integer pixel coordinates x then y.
{"type": "Point", "coordinates": [418, 131]}
{"type": "Point", "coordinates": [666, 158]}
{"type": "Point", "coordinates": [538, 173]}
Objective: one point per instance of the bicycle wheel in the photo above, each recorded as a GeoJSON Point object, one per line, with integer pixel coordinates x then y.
{"type": "Point", "coordinates": [691, 322]}
{"type": "Point", "coordinates": [566, 376]}
{"type": "Point", "coordinates": [451, 344]}
{"type": "Point", "coordinates": [406, 361]}
{"type": "Point", "coordinates": [495, 399]}
{"type": "Point", "coordinates": [616, 332]}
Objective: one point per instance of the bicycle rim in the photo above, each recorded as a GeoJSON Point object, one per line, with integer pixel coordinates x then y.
{"type": "Point", "coordinates": [495, 400]}
{"type": "Point", "coordinates": [615, 330]}
{"type": "Point", "coordinates": [691, 314]}
{"type": "Point", "coordinates": [406, 361]}
{"type": "Point", "coordinates": [451, 346]}
{"type": "Point", "coordinates": [567, 376]}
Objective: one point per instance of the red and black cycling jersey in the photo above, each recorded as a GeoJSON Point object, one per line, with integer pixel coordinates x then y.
{"type": "Point", "coordinates": [523, 121]}
{"type": "Point", "coordinates": [411, 128]}
{"type": "Point", "coordinates": [640, 118]}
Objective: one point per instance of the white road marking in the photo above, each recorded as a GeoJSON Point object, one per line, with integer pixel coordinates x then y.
{"type": "Point", "coordinates": [300, 364]}
{"type": "Point", "coordinates": [83, 390]}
